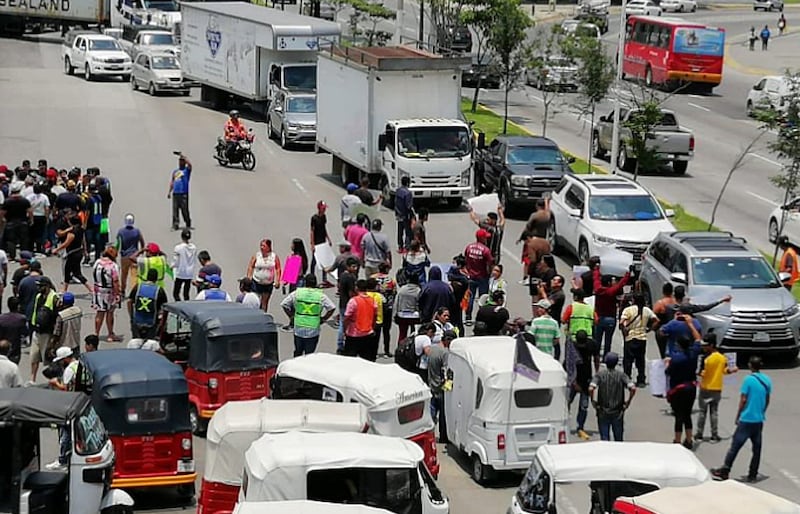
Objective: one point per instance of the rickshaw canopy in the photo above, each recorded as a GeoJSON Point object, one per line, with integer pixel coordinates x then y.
{"type": "Point", "coordinates": [660, 464]}
{"type": "Point", "coordinates": [220, 330]}
{"type": "Point", "coordinates": [382, 388]}
{"type": "Point", "coordinates": [40, 406]}
{"type": "Point", "coordinates": [277, 465]}
{"type": "Point", "coordinates": [304, 507]}
{"type": "Point", "coordinates": [119, 374]}
{"type": "Point", "coordinates": [728, 496]}
{"type": "Point", "coordinates": [492, 360]}
{"type": "Point", "coordinates": [236, 425]}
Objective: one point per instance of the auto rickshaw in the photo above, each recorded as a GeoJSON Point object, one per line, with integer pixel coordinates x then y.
{"type": "Point", "coordinates": [397, 402]}
{"type": "Point", "coordinates": [227, 351]}
{"type": "Point", "coordinates": [236, 425]}
{"type": "Point", "coordinates": [143, 400]}
{"type": "Point", "coordinates": [84, 487]}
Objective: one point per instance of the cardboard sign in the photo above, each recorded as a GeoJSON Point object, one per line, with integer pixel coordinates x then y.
{"type": "Point", "coordinates": [484, 204]}
{"type": "Point", "coordinates": [614, 262]}
{"type": "Point", "coordinates": [730, 379]}
{"type": "Point", "coordinates": [291, 269]}
{"type": "Point", "coordinates": [324, 256]}
{"type": "Point", "coordinates": [658, 377]}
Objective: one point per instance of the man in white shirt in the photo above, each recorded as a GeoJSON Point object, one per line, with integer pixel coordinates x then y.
{"type": "Point", "coordinates": [348, 202]}
{"type": "Point", "coordinates": [246, 295]}
{"type": "Point", "coordinates": [9, 372]}
{"type": "Point", "coordinates": [422, 347]}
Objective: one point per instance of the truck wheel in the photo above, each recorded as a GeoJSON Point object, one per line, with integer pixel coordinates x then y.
{"type": "Point", "coordinates": [552, 235]}
{"type": "Point", "coordinates": [624, 162]}
{"type": "Point", "coordinates": [597, 150]}
{"type": "Point", "coordinates": [87, 73]}
{"type": "Point", "coordinates": [583, 251]}
{"type": "Point", "coordinates": [68, 69]}
{"type": "Point", "coordinates": [773, 231]}
{"type": "Point", "coordinates": [679, 167]}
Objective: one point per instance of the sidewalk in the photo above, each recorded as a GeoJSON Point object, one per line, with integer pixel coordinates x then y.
{"type": "Point", "coordinates": [783, 53]}
{"type": "Point", "coordinates": [543, 13]}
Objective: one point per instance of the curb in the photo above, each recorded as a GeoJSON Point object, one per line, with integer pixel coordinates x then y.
{"type": "Point", "coordinates": [732, 7]}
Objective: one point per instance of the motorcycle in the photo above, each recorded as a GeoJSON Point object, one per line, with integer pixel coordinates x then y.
{"type": "Point", "coordinates": [242, 154]}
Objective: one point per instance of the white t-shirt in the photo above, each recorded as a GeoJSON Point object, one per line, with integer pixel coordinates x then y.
{"type": "Point", "coordinates": [421, 342]}
{"type": "Point", "coordinates": [39, 203]}
{"type": "Point", "coordinates": [184, 261]}
{"type": "Point", "coordinates": [27, 191]}
{"type": "Point", "coordinates": [250, 299]}
{"type": "Point", "coordinates": [3, 262]}
{"type": "Point", "coordinates": [69, 374]}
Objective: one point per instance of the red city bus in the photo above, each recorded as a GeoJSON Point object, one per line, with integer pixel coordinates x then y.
{"type": "Point", "coordinates": [670, 52]}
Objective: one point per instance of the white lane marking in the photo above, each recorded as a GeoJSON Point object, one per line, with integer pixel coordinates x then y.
{"type": "Point", "coordinates": [791, 476]}
{"type": "Point", "coordinates": [774, 163]}
{"type": "Point", "coordinates": [299, 186]}
{"type": "Point", "coordinates": [699, 107]}
{"type": "Point", "coordinates": [766, 200]}
{"type": "Point", "coordinates": [695, 96]}
{"type": "Point", "coordinates": [510, 254]}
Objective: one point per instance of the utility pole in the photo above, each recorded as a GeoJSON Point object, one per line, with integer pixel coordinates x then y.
{"type": "Point", "coordinates": [620, 57]}
{"type": "Point", "coordinates": [400, 25]}
{"type": "Point", "coordinates": [421, 23]}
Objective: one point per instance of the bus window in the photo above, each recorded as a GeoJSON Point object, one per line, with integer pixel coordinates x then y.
{"type": "Point", "coordinates": [654, 36]}
{"type": "Point", "coordinates": [666, 33]}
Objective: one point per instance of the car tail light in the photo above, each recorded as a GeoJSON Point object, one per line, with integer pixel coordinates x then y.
{"type": "Point", "coordinates": [691, 143]}
{"type": "Point", "coordinates": [212, 383]}
{"type": "Point", "coordinates": [501, 441]}
{"type": "Point", "coordinates": [562, 437]}
{"type": "Point", "coordinates": [186, 447]}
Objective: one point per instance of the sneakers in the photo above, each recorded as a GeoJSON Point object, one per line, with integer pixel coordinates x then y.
{"type": "Point", "coordinates": [720, 473]}
{"type": "Point", "coordinates": [715, 438]}
{"type": "Point", "coordinates": [751, 478]}
{"type": "Point", "coordinates": [525, 281]}
{"type": "Point", "coordinates": [699, 437]}
{"type": "Point", "coordinates": [56, 466]}
{"type": "Point", "coordinates": [583, 435]}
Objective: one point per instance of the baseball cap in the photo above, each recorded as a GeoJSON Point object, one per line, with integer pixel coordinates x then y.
{"type": "Point", "coordinates": [351, 187]}
{"type": "Point", "coordinates": [25, 255]}
{"type": "Point", "coordinates": [153, 248]}
{"type": "Point", "coordinates": [321, 204]}
{"type": "Point", "coordinates": [44, 281]}
{"type": "Point", "coordinates": [3, 168]}
{"type": "Point", "coordinates": [611, 359]}
{"type": "Point", "coordinates": [543, 303]}
{"type": "Point", "coordinates": [214, 279]}
{"type": "Point", "coordinates": [16, 187]}
{"type": "Point", "coordinates": [482, 234]}
{"type": "Point", "coordinates": [51, 173]}
{"type": "Point", "coordinates": [62, 353]}
{"type": "Point", "coordinates": [68, 298]}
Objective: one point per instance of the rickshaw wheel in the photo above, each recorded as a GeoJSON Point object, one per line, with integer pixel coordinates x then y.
{"type": "Point", "coordinates": [481, 473]}
{"type": "Point", "coordinates": [186, 492]}
{"type": "Point", "coordinates": [118, 509]}
{"type": "Point", "coordinates": [199, 426]}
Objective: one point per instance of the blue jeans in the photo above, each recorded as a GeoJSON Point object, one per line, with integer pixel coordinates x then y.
{"type": "Point", "coordinates": [745, 431]}
{"type": "Point", "coordinates": [607, 424]}
{"type": "Point", "coordinates": [437, 411]}
{"type": "Point", "coordinates": [583, 406]}
{"type": "Point", "coordinates": [64, 445]}
{"type": "Point", "coordinates": [477, 287]}
{"type": "Point", "coordinates": [340, 334]}
{"type": "Point", "coordinates": [604, 330]}
{"type": "Point", "coordinates": [305, 345]}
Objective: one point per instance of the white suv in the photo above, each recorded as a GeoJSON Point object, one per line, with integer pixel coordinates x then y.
{"type": "Point", "coordinates": [770, 93]}
{"type": "Point", "coordinates": [592, 214]}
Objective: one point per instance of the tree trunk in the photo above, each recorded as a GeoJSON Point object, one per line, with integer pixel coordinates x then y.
{"type": "Point", "coordinates": [505, 102]}
{"type": "Point", "coordinates": [544, 121]}
{"type": "Point", "coordinates": [475, 94]}
{"type": "Point", "coordinates": [591, 137]}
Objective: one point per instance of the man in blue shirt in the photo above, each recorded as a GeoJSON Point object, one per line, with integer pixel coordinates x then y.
{"type": "Point", "coordinates": [179, 191]}
{"type": "Point", "coordinates": [753, 403]}
{"type": "Point", "coordinates": [677, 329]}
{"type": "Point", "coordinates": [403, 212]}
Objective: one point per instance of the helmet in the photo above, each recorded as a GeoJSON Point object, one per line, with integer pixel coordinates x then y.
{"type": "Point", "coordinates": [214, 280]}
{"type": "Point", "coordinates": [129, 220]}
{"type": "Point", "coordinates": [234, 114]}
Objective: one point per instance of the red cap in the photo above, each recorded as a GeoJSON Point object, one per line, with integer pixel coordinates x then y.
{"type": "Point", "coordinates": [3, 168]}
{"type": "Point", "coordinates": [321, 204]}
{"type": "Point", "coordinates": [482, 235]}
{"type": "Point", "coordinates": [153, 248]}
{"type": "Point", "coordinates": [51, 173]}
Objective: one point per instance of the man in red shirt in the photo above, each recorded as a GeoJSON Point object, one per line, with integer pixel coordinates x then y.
{"type": "Point", "coordinates": [605, 306]}
{"type": "Point", "coordinates": [479, 262]}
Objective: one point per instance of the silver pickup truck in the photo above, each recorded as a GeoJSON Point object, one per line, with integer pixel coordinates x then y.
{"type": "Point", "coordinates": [136, 38]}
{"type": "Point", "coordinates": [672, 143]}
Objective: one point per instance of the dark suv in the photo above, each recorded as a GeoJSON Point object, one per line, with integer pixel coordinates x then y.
{"type": "Point", "coordinates": [520, 169]}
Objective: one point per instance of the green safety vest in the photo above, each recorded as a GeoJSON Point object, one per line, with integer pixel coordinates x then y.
{"type": "Point", "coordinates": [307, 308]}
{"type": "Point", "coordinates": [582, 319]}
{"type": "Point", "coordinates": [156, 262]}
{"type": "Point", "coordinates": [49, 302]}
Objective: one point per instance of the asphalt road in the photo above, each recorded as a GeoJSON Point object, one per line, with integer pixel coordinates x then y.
{"type": "Point", "coordinates": [131, 136]}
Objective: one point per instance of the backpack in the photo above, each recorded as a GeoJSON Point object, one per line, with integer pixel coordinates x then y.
{"type": "Point", "coordinates": [405, 355]}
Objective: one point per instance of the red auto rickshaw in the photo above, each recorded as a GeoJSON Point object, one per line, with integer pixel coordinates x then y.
{"type": "Point", "coordinates": [228, 352]}
{"type": "Point", "coordinates": [143, 400]}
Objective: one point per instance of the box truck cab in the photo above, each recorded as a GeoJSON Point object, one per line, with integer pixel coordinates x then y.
{"type": "Point", "coordinates": [160, 13]}
{"type": "Point", "coordinates": [496, 416]}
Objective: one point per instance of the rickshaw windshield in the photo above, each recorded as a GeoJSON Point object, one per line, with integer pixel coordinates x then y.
{"type": "Point", "coordinates": [245, 350]}
{"type": "Point", "coordinates": [290, 388]}
{"type": "Point", "coordinates": [90, 433]}
{"type": "Point", "coordinates": [178, 325]}
{"type": "Point", "coordinates": [147, 410]}
{"type": "Point", "coordinates": [393, 489]}
{"type": "Point", "coordinates": [534, 491]}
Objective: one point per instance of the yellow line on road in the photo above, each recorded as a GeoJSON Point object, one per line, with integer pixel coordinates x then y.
{"type": "Point", "coordinates": [743, 68]}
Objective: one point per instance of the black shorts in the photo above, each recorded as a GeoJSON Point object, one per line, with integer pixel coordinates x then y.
{"type": "Point", "coordinates": [263, 288]}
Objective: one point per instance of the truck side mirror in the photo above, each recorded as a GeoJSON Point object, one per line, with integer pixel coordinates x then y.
{"type": "Point", "coordinates": [381, 142]}
{"type": "Point", "coordinates": [481, 141]}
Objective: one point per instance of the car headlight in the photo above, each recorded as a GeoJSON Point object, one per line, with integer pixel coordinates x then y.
{"type": "Point", "coordinates": [791, 311]}
{"type": "Point", "coordinates": [517, 180]}
{"type": "Point", "coordinates": [465, 177]}
{"type": "Point", "coordinates": [292, 126]}
{"type": "Point", "coordinates": [604, 240]}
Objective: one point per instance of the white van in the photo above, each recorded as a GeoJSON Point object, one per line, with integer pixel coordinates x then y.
{"type": "Point", "coordinates": [384, 472]}
{"type": "Point", "coordinates": [304, 507]}
{"type": "Point", "coordinates": [496, 416]}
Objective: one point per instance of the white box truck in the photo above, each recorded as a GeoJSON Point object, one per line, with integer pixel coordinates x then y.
{"type": "Point", "coordinates": [17, 15]}
{"type": "Point", "coordinates": [389, 112]}
{"type": "Point", "coordinates": [246, 52]}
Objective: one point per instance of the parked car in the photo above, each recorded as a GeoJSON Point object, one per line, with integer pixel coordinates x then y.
{"type": "Point", "coordinates": [592, 214]}
{"type": "Point", "coordinates": [672, 143]}
{"type": "Point", "coordinates": [763, 317]}
{"type": "Point", "coordinates": [520, 169]}
{"type": "Point", "coordinates": [770, 93]}
{"type": "Point", "coordinates": [292, 118]}
{"type": "Point", "coordinates": [678, 5]}
{"type": "Point", "coordinates": [595, 18]}
{"type": "Point", "coordinates": [136, 38]}
{"type": "Point", "coordinates": [791, 223]}
{"type": "Point", "coordinates": [158, 73]}
{"type": "Point", "coordinates": [768, 5]}
{"type": "Point", "coordinates": [581, 29]}
{"type": "Point", "coordinates": [642, 8]}
{"type": "Point", "coordinates": [553, 72]}
{"type": "Point", "coordinates": [94, 54]}
{"type": "Point", "coordinates": [487, 71]}
{"type": "Point", "coordinates": [457, 38]}
{"type": "Point", "coordinates": [327, 11]}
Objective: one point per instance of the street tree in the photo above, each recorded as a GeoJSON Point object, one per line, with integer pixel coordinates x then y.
{"type": "Point", "coordinates": [478, 17]}
{"type": "Point", "coordinates": [550, 53]}
{"type": "Point", "coordinates": [445, 15]}
{"type": "Point", "coordinates": [596, 73]}
{"type": "Point", "coordinates": [365, 20]}
{"type": "Point", "coordinates": [507, 39]}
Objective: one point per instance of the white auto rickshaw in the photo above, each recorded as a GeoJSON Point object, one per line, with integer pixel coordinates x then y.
{"type": "Point", "coordinates": [304, 507]}
{"type": "Point", "coordinates": [397, 402]}
{"type": "Point", "coordinates": [84, 485]}
{"type": "Point", "coordinates": [499, 418]}
{"type": "Point", "coordinates": [236, 425]}
{"type": "Point", "coordinates": [611, 470]}
{"type": "Point", "coordinates": [364, 469]}
{"type": "Point", "coordinates": [728, 497]}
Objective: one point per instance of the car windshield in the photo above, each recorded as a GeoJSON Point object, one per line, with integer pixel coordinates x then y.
{"type": "Point", "coordinates": [157, 39]}
{"type": "Point", "coordinates": [90, 434]}
{"type": "Point", "coordinates": [427, 142]}
{"type": "Point", "coordinates": [624, 208]}
{"type": "Point", "coordinates": [165, 62]}
{"type": "Point", "coordinates": [103, 44]}
{"type": "Point", "coordinates": [587, 31]}
{"type": "Point", "coordinates": [300, 77]}
{"type": "Point", "coordinates": [534, 155]}
{"type": "Point", "coordinates": [306, 105]}
{"type": "Point", "coordinates": [735, 272]}
{"type": "Point", "coordinates": [163, 6]}
{"type": "Point", "coordinates": [560, 62]}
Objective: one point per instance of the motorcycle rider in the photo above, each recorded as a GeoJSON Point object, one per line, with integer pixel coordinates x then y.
{"type": "Point", "coordinates": [234, 132]}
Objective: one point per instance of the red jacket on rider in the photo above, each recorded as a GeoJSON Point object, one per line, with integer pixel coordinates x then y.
{"type": "Point", "coordinates": [235, 130]}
